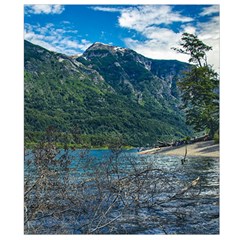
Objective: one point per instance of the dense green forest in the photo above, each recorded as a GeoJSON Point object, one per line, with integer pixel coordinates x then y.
{"type": "Point", "coordinates": [106, 95]}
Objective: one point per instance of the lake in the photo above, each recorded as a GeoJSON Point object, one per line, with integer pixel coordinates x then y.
{"type": "Point", "coordinates": [149, 194]}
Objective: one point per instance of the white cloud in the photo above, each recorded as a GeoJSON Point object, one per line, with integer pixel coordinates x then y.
{"type": "Point", "coordinates": [161, 34]}
{"type": "Point", "coordinates": [55, 39]}
{"type": "Point", "coordinates": [189, 29]}
{"type": "Point", "coordinates": [209, 33]}
{"type": "Point", "coordinates": [39, 39]}
{"type": "Point", "coordinates": [210, 10]}
{"type": "Point", "coordinates": [153, 23]}
{"type": "Point", "coordinates": [44, 9]}
{"type": "Point", "coordinates": [158, 43]}
{"type": "Point", "coordinates": [154, 48]}
{"type": "Point", "coordinates": [65, 22]}
{"type": "Point", "coordinates": [139, 18]}
{"type": "Point", "coordinates": [107, 9]}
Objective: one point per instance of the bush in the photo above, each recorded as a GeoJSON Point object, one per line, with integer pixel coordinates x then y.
{"type": "Point", "coordinates": [216, 137]}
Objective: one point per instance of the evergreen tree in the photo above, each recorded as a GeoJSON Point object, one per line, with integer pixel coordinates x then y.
{"type": "Point", "coordinates": [199, 87]}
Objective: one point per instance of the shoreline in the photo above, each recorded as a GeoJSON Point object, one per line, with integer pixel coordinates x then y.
{"type": "Point", "coordinates": [198, 149]}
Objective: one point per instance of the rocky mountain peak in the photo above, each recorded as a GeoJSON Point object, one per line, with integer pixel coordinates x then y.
{"type": "Point", "coordinates": [102, 47]}
{"type": "Point", "coordinates": [107, 90]}
{"type": "Point", "coordinates": [98, 45]}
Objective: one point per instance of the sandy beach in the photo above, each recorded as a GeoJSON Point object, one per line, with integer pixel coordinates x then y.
{"type": "Point", "coordinates": [202, 149]}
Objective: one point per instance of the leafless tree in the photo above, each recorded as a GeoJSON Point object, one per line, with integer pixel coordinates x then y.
{"type": "Point", "coordinates": [70, 192]}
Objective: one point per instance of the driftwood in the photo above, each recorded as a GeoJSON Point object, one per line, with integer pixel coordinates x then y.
{"type": "Point", "coordinates": [164, 144]}
{"type": "Point", "coordinates": [182, 142]}
{"type": "Point", "coordinates": [192, 184]}
{"type": "Point", "coordinates": [95, 197]}
{"type": "Point", "coordinates": [200, 139]}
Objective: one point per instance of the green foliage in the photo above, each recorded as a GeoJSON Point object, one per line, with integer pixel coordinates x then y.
{"type": "Point", "coordinates": [216, 137]}
{"type": "Point", "coordinates": [92, 111]}
{"type": "Point", "coordinates": [199, 87]}
{"type": "Point", "coordinates": [195, 48]}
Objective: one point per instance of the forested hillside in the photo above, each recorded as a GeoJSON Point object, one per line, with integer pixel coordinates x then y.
{"type": "Point", "coordinates": [106, 94]}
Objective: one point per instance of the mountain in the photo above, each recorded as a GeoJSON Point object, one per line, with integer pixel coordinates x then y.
{"type": "Point", "coordinates": [131, 72]}
{"type": "Point", "coordinates": [106, 93]}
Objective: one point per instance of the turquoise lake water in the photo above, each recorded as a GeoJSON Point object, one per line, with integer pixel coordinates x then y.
{"type": "Point", "coordinates": [201, 209]}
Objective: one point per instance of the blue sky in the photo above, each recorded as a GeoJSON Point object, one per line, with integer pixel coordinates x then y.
{"type": "Point", "coordinates": [151, 30]}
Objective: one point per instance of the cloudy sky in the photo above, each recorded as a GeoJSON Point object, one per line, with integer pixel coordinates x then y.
{"type": "Point", "coordinates": [151, 30]}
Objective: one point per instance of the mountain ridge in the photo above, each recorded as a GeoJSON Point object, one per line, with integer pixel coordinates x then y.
{"type": "Point", "coordinates": [108, 92]}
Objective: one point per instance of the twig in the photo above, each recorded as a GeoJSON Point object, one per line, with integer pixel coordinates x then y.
{"type": "Point", "coordinates": [106, 224]}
